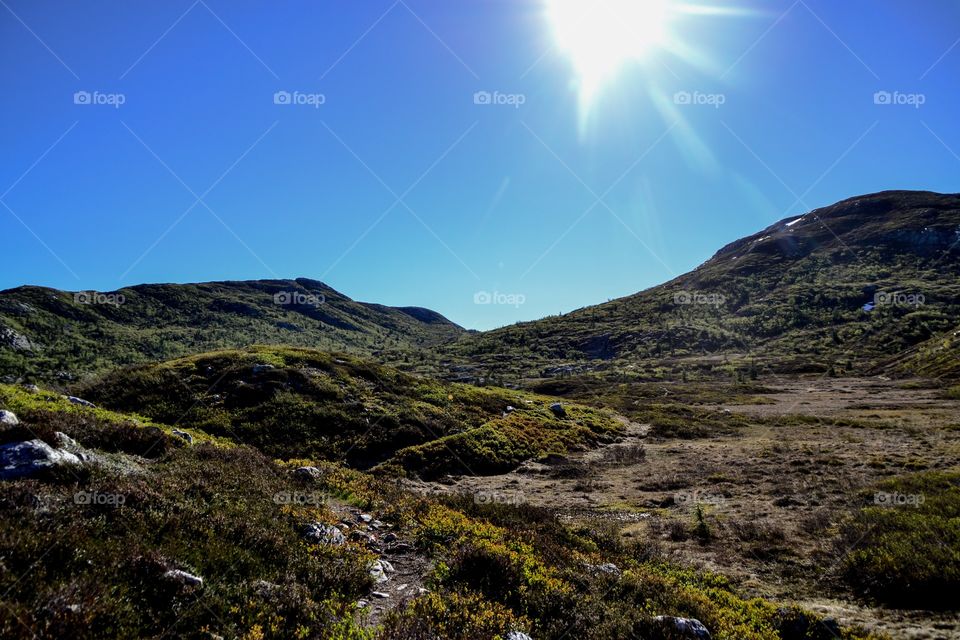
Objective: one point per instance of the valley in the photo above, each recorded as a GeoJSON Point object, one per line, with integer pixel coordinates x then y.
{"type": "Point", "coordinates": [765, 448]}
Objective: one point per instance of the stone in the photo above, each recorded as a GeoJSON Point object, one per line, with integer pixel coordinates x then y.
{"type": "Point", "coordinates": [262, 368]}
{"type": "Point", "coordinates": [673, 628]}
{"type": "Point", "coordinates": [308, 473]}
{"type": "Point", "coordinates": [32, 457]}
{"type": "Point", "coordinates": [558, 410]}
{"type": "Point", "coordinates": [378, 572]}
{"type": "Point", "coordinates": [183, 434]}
{"type": "Point", "coordinates": [184, 578]}
{"type": "Point", "coordinates": [517, 635]}
{"type": "Point", "coordinates": [9, 418]}
{"type": "Point", "coordinates": [81, 402]}
{"type": "Point", "coordinates": [324, 534]}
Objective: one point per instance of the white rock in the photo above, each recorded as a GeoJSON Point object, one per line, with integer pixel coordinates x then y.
{"type": "Point", "coordinates": [9, 418]}
{"type": "Point", "coordinates": [188, 579]}
{"type": "Point", "coordinates": [23, 459]}
{"type": "Point", "coordinates": [81, 402]}
{"type": "Point", "coordinates": [518, 635]}
{"type": "Point", "coordinates": [324, 533]}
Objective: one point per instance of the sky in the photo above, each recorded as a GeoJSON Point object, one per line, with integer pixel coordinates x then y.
{"type": "Point", "coordinates": [467, 156]}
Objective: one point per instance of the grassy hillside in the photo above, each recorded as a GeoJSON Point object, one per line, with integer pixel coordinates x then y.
{"type": "Point", "coordinates": [291, 402]}
{"type": "Point", "coordinates": [57, 335]}
{"type": "Point", "coordinates": [790, 297]}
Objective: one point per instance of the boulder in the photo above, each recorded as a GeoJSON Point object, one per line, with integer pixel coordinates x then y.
{"type": "Point", "coordinates": [320, 533]}
{"type": "Point", "coordinates": [558, 410]}
{"type": "Point", "coordinates": [31, 388]}
{"type": "Point", "coordinates": [262, 368]}
{"type": "Point", "coordinates": [671, 628]}
{"type": "Point", "coordinates": [517, 635]}
{"type": "Point", "coordinates": [184, 578]}
{"type": "Point", "coordinates": [8, 418]}
{"type": "Point", "coordinates": [32, 457]}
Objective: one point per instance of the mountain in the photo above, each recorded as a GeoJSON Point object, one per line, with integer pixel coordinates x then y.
{"type": "Point", "coordinates": [841, 288]}
{"type": "Point", "coordinates": [46, 333]}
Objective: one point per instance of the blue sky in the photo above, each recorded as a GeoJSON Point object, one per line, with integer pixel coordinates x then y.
{"type": "Point", "coordinates": [400, 189]}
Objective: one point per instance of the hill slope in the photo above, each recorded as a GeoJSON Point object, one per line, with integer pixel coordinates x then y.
{"type": "Point", "coordinates": [44, 331]}
{"type": "Point", "coordinates": [791, 297]}
{"type": "Point", "coordinates": [293, 403]}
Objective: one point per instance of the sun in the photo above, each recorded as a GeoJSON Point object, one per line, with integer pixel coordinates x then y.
{"type": "Point", "coordinates": [602, 36]}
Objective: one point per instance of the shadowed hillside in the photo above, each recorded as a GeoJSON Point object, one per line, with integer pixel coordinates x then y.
{"type": "Point", "coordinates": [49, 334]}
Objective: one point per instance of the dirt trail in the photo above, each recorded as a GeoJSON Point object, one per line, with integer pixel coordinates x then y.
{"type": "Point", "coordinates": [770, 493]}
{"type": "Point", "coordinates": [401, 571]}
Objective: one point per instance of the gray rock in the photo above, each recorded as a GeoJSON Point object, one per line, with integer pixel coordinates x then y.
{"type": "Point", "coordinates": [308, 473]}
{"type": "Point", "coordinates": [558, 410]}
{"type": "Point", "coordinates": [184, 578]}
{"type": "Point", "coordinates": [378, 572]}
{"type": "Point", "coordinates": [379, 594]}
{"type": "Point", "coordinates": [65, 441]}
{"type": "Point", "coordinates": [9, 418]}
{"type": "Point", "coordinates": [366, 517]}
{"type": "Point", "coordinates": [509, 409]}
{"type": "Point", "coordinates": [183, 434]}
{"type": "Point", "coordinates": [32, 388]}
{"type": "Point", "coordinates": [324, 534]}
{"type": "Point", "coordinates": [608, 568]}
{"type": "Point", "coordinates": [518, 635]}
{"type": "Point", "coordinates": [681, 628]}
{"type": "Point", "coordinates": [263, 368]}
{"type": "Point", "coordinates": [29, 458]}
{"type": "Point", "coordinates": [81, 402]}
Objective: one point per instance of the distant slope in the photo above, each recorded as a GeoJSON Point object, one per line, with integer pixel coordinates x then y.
{"type": "Point", "coordinates": [790, 297]}
{"type": "Point", "coordinates": [45, 332]}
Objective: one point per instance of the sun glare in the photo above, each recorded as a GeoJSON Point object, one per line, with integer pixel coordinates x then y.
{"type": "Point", "coordinates": [602, 36]}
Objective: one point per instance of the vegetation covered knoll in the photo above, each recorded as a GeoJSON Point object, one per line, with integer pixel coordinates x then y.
{"type": "Point", "coordinates": [792, 297]}
{"type": "Point", "coordinates": [196, 541]}
{"type": "Point", "coordinates": [47, 334]}
{"type": "Point", "coordinates": [291, 402]}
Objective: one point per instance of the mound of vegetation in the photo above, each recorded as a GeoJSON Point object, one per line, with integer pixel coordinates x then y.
{"type": "Point", "coordinates": [292, 402]}
{"type": "Point", "coordinates": [904, 549]}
